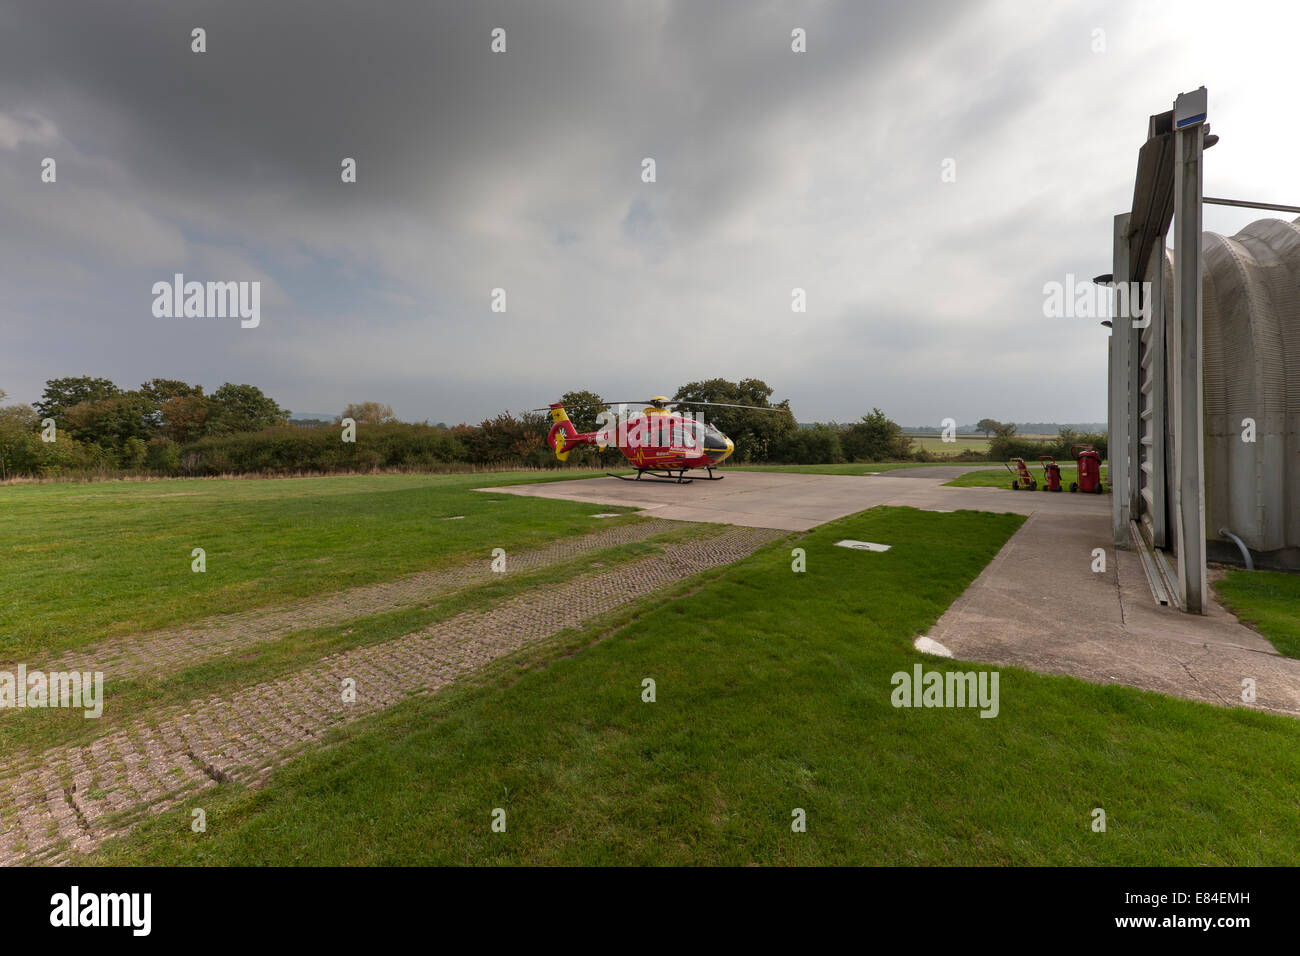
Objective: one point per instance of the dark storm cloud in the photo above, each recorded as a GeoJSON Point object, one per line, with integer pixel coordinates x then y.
{"type": "Point", "coordinates": [410, 88]}
{"type": "Point", "coordinates": [522, 170]}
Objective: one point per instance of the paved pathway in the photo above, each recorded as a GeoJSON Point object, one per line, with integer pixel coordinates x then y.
{"type": "Point", "coordinates": [71, 798]}
{"type": "Point", "coordinates": [1039, 605]}
{"type": "Point", "coordinates": [168, 651]}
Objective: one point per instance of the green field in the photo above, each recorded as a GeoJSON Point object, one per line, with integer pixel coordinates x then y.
{"type": "Point", "coordinates": [773, 694]}
{"type": "Point", "coordinates": [87, 561]}
{"type": "Point", "coordinates": [216, 676]}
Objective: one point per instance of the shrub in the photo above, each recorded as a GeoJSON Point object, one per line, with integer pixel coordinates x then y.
{"type": "Point", "coordinates": [287, 449]}
{"type": "Point", "coordinates": [134, 451]}
{"type": "Point", "coordinates": [163, 455]}
{"type": "Point", "coordinates": [876, 438]}
{"type": "Point", "coordinates": [818, 445]}
{"type": "Point", "coordinates": [1006, 446]}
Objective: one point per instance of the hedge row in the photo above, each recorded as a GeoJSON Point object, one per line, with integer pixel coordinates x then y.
{"type": "Point", "coordinates": [503, 442]}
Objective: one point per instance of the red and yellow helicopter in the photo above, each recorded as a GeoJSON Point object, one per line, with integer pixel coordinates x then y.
{"type": "Point", "coordinates": [658, 441]}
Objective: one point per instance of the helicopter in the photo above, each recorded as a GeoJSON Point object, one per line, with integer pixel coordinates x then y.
{"type": "Point", "coordinates": [659, 442]}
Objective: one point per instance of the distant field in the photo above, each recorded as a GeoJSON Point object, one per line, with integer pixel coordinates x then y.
{"type": "Point", "coordinates": [935, 445]}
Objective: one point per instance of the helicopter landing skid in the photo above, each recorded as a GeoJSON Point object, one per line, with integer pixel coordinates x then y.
{"type": "Point", "coordinates": [668, 477]}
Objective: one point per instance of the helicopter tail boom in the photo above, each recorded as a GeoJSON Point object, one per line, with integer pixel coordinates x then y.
{"type": "Point", "coordinates": [563, 436]}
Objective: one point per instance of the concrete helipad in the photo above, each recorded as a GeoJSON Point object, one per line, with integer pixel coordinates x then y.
{"type": "Point", "coordinates": [799, 502]}
{"type": "Point", "coordinates": [1037, 605]}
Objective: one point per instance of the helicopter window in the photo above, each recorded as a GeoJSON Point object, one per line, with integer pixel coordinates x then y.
{"type": "Point", "coordinates": [681, 437]}
{"type": "Point", "coordinates": [714, 438]}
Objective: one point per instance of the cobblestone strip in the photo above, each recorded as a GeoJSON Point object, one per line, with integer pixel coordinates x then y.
{"type": "Point", "coordinates": [85, 794]}
{"type": "Point", "coordinates": [161, 652]}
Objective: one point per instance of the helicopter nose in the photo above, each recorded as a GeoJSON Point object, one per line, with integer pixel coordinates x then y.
{"type": "Point", "coordinates": [723, 453]}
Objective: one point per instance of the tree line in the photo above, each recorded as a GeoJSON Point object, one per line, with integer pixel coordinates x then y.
{"type": "Point", "coordinates": [86, 426]}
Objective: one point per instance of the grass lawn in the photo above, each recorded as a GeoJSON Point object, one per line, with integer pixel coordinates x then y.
{"type": "Point", "coordinates": [1000, 478]}
{"type": "Point", "coordinates": [87, 561]}
{"type": "Point", "coordinates": [773, 693]}
{"type": "Point", "coordinates": [34, 730]}
{"type": "Point", "coordinates": [1268, 601]}
{"type": "Point", "coordinates": [857, 467]}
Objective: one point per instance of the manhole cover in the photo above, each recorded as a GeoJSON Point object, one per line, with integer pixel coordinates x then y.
{"type": "Point", "coordinates": [862, 545]}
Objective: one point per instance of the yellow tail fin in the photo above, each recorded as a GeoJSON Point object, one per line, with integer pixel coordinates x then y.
{"type": "Point", "coordinates": [558, 415]}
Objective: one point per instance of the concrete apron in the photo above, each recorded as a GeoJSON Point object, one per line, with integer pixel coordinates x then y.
{"type": "Point", "coordinates": [794, 502]}
{"type": "Point", "coordinates": [1037, 605]}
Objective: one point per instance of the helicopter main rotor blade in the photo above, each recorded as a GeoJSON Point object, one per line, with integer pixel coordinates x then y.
{"type": "Point", "coordinates": [597, 405]}
{"type": "Point", "coordinates": [662, 404]}
{"type": "Point", "coordinates": [757, 408]}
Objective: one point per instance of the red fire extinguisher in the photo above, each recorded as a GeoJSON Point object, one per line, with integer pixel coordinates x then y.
{"type": "Point", "coordinates": [1051, 473]}
{"type": "Point", "coordinates": [1088, 461]}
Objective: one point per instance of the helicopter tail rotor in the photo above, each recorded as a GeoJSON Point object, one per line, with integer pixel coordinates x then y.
{"type": "Point", "coordinates": [562, 436]}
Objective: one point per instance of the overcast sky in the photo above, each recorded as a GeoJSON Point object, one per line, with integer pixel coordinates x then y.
{"type": "Point", "coordinates": [522, 170]}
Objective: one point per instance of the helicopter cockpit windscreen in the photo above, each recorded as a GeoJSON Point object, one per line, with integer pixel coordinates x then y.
{"type": "Point", "coordinates": [712, 439]}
